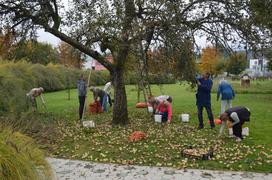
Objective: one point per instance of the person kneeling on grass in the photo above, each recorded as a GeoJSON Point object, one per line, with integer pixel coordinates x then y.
{"type": "Point", "coordinates": [165, 109]}
{"type": "Point", "coordinates": [237, 116]}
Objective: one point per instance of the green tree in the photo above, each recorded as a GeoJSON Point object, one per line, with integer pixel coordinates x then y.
{"type": "Point", "coordinates": [236, 63]}
{"type": "Point", "coordinates": [268, 55]}
{"type": "Point", "coordinates": [34, 52]}
{"type": "Point", "coordinates": [261, 12]}
{"type": "Point", "coordinates": [123, 26]}
{"type": "Point", "coordinates": [262, 16]}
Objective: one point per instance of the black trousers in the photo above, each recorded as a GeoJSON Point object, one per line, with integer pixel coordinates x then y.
{"type": "Point", "coordinates": [110, 101]}
{"type": "Point", "coordinates": [237, 129]}
{"type": "Point", "coordinates": [200, 115]}
{"type": "Point", "coordinates": [81, 105]}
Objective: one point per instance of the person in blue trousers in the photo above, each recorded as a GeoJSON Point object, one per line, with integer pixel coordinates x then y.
{"type": "Point", "coordinates": [203, 99]}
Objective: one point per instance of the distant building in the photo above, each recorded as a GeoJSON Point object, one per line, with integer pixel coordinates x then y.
{"type": "Point", "coordinates": [99, 67]}
{"type": "Point", "coordinates": [259, 66]}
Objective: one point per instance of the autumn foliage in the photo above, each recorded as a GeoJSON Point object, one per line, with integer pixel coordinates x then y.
{"type": "Point", "coordinates": [209, 59]}
{"type": "Point", "coordinates": [69, 56]}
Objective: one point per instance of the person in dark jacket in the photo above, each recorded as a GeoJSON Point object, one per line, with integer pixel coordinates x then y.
{"type": "Point", "coordinates": [227, 95]}
{"type": "Point", "coordinates": [237, 116]}
{"type": "Point", "coordinates": [82, 91]}
{"type": "Point", "coordinates": [203, 99]}
{"type": "Point", "coordinates": [103, 97]}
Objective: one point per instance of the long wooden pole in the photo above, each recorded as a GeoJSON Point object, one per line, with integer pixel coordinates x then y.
{"type": "Point", "coordinates": [88, 82]}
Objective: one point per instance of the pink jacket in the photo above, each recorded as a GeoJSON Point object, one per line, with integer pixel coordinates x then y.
{"type": "Point", "coordinates": [162, 108]}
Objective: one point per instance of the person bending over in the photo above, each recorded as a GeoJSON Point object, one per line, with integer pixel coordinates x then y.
{"type": "Point", "coordinates": [155, 101]}
{"type": "Point", "coordinates": [165, 109]}
{"type": "Point", "coordinates": [237, 116]}
{"type": "Point", "coordinates": [102, 95]}
{"type": "Point", "coordinates": [32, 94]}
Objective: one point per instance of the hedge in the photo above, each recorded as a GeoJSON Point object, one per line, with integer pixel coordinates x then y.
{"type": "Point", "coordinates": [17, 78]}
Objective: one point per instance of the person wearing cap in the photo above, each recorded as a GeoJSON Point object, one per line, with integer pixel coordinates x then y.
{"type": "Point", "coordinates": [32, 94]}
{"type": "Point", "coordinates": [102, 95]}
{"type": "Point", "coordinates": [203, 99]}
{"type": "Point", "coordinates": [237, 116]}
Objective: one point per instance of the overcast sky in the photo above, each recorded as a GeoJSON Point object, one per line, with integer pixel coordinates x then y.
{"type": "Point", "coordinates": [47, 37]}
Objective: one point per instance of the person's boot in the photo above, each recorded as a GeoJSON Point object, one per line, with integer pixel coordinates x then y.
{"type": "Point", "coordinates": [212, 124]}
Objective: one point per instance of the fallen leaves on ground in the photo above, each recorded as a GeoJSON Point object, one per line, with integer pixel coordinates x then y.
{"type": "Point", "coordinates": [106, 143]}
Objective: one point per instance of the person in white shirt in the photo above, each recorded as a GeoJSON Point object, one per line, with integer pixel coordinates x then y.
{"type": "Point", "coordinates": [107, 89]}
{"type": "Point", "coordinates": [32, 94]}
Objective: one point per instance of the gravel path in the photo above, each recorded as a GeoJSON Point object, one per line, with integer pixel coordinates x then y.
{"type": "Point", "coordinates": [82, 170]}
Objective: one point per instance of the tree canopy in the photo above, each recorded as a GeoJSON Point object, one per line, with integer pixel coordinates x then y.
{"type": "Point", "coordinates": [236, 63]}
{"type": "Point", "coordinates": [121, 27]}
{"type": "Point", "coordinates": [210, 58]}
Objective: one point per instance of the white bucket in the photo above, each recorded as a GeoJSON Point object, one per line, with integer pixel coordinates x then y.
{"type": "Point", "coordinates": [150, 109]}
{"type": "Point", "coordinates": [184, 118]}
{"type": "Point", "coordinates": [158, 118]}
{"type": "Point", "coordinates": [88, 124]}
{"type": "Point", "coordinates": [245, 131]}
{"type": "Point", "coordinates": [230, 131]}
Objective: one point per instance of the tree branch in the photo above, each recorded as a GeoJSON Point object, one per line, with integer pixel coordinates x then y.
{"type": "Point", "coordinates": [94, 54]}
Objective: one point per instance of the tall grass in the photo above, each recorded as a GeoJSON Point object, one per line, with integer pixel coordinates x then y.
{"type": "Point", "coordinates": [20, 158]}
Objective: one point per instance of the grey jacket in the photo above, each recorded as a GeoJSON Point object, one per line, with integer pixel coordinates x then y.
{"type": "Point", "coordinates": [81, 87]}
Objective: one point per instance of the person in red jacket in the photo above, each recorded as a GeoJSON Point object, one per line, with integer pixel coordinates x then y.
{"type": "Point", "coordinates": [165, 109]}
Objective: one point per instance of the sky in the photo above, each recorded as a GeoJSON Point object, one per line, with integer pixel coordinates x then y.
{"type": "Point", "coordinates": [47, 37]}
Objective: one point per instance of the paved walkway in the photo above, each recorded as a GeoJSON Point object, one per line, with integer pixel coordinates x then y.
{"type": "Point", "coordinates": [82, 170]}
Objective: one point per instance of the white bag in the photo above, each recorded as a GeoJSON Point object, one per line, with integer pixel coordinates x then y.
{"type": "Point", "coordinates": [245, 131]}
{"type": "Point", "coordinates": [88, 124]}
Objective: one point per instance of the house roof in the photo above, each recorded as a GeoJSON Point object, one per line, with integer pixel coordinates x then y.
{"type": "Point", "coordinates": [245, 75]}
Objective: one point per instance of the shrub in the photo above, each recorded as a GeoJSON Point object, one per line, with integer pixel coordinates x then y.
{"type": "Point", "coordinates": [17, 78]}
{"type": "Point", "coordinates": [20, 158]}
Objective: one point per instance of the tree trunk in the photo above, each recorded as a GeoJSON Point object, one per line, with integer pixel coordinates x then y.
{"type": "Point", "coordinates": [120, 113]}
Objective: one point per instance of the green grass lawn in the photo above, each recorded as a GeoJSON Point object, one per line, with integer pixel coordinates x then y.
{"type": "Point", "coordinates": [163, 144]}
